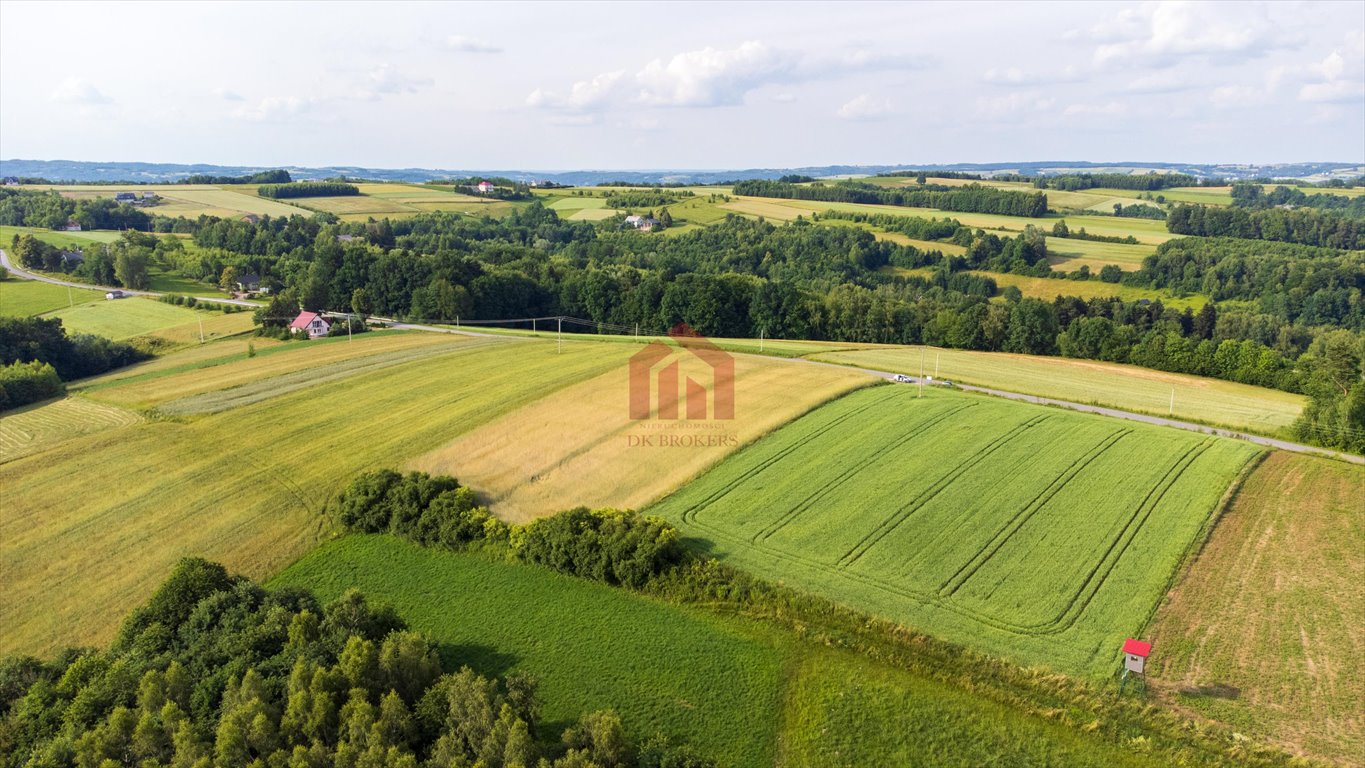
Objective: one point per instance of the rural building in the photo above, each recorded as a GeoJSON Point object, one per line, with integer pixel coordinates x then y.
{"type": "Point", "coordinates": [251, 218]}
{"type": "Point", "coordinates": [1135, 653]}
{"type": "Point", "coordinates": [72, 226]}
{"type": "Point", "coordinates": [485, 187]}
{"type": "Point", "coordinates": [124, 197]}
{"type": "Point", "coordinates": [11, 181]}
{"type": "Point", "coordinates": [72, 258]}
{"type": "Point", "coordinates": [642, 223]}
{"type": "Point", "coordinates": [311, 323]}
{"type": "Point", "coordinates": [248, 281]}
{"type": "Point", "coordinates": [116, 294]}
{"type": "Point", "coordinates": [345, 238]}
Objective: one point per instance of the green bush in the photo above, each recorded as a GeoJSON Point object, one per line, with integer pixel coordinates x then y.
{"type": "Point", "coordinates": [24, 383]}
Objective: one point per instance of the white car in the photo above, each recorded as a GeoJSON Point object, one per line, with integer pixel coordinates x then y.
{"type": "Point", "coordinates": [901, 378]}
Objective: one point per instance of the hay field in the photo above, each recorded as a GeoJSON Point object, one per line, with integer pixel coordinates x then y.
{"type": "Point", "coordinates": [59, 239]}
{"type": "Point", "coordinates": [1039, 535]}
{"type": "Point", "coordinates": [235, 372]}
{"type": "Point", "coordinates": [580, 446]}
{"type": "Point", "coordinates": [126, 318]}
{"type": "Point", "coordinates": [1128, 387]}
{"type": "Point", "coordinates": [187, 200]}
{"type": "Point", "coordinates": [23, 298]}
{"type": "Point", "coordinates": [1068, 254]}
{"type": "Point", "coordinates": [100, 519]}
{"type": "Point", "coordinates": [1264, 629]}
{"type": "Point", "coordinates": [212, 326]}
{"type": "Point", "coordinates": [38, 427]}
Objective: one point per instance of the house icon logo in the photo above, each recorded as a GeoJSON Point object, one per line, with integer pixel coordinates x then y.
{"type": "Point", "coordinates": [661, 379]}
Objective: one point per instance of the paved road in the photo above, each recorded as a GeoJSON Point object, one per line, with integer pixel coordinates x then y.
{"type": "Point", "coordinates": [24, 274]}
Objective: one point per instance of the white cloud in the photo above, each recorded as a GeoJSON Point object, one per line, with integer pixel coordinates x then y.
{"type": "Point", "coordinates": [784, 97]}
{"type": "Point", "coordinates": [227, 95]}
{"type": "Point", "coordinates": [1161, 34]}
{"type": "Point", "coordinates": [274, 109]}
{"type": "Point", "coordinates": [865, 107]}
{"type": "Point", "coordinates": [1016, 76]}
{"type": "Point", "coordinates": [1163, 81]}
{"type": "Point", "coordinates": [1106, 109]}
{"type": "Point", "coordinates": [1013, 105]}
{"type": "Point", "coordinates": [1338, 77]}
{"type": "Point", "coordinates": [384, 80]}
{"type": "Point", "coordinates": [77, 90]}
{"type": "Point", "coordinates": [584, 94]}
{"type": "Point", "coordinates": [712, 77]}
{"type": "Point", "coordinates": [464, 44]}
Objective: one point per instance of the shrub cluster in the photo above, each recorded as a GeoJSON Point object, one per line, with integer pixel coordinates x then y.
{"type": "Point", "coordinates": [181, 300]}
{"type": "Point", "coordinates": [24, 383]}
{"type": "Point", "coordinates": [614, 546]}
{"type": "Point", "coordinates": [27, 339]}
{"type": "Point", "coordinates": [307, 189]}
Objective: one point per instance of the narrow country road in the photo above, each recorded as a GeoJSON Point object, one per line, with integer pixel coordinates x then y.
{"type": "Point", "coordinates": [24, 274]}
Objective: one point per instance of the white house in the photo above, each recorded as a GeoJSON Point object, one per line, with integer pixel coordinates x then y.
{"type": "Point", "coordinates": [311, 323]}
{"type": "Point", "coordinates": [72, 226]}
{"type": "Point", "coordinates": [485, 187]}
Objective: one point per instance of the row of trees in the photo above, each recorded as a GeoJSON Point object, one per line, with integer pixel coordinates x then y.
{"type": "Point", "coordinates": [276, 176]}
{"type": "Point", "coordinates": [1138, 211]}
{"type": "Point", "coordinates": [973, 198]}
{"type": "Point", "coordinates": [1250, 195]}
{"type": "Point", "coordinates": [645, 198]}
{"type": "Point", "coordinates": [1146, 182]}
{"type": "Point", "coordinates": [49, 210]}
{"type": "Point", "coordinates": [1306, 226]}
{"type": "Point", "coordinates": [30, 382]}
{"type": "Point", "coordinates": [216, 672]}
{"type": "Point", "coordinates": [307, 189]}
{"type": "Point", "coordinates": [74, 356]}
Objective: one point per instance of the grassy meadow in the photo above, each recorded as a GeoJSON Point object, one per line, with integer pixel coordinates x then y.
{"type": "Point", "coordinates": [23, 298]}
{"type": "Point", "coordinates": [1263, 630]}
{"type": "Point", "coordinates": [33, 428]}
{"type": "Point", "coordinates": [1048, 288]}
{"type": "Point", "coordinates": [1127, 387]}
{"type": "Point", "coordinates": [137, 316]}
{"type": "Point", "coordinates": [934, 511]}
{"type": "Point", "coordinates": [186, 200]}
{"type": "Point", "coordinates": [688, 673]}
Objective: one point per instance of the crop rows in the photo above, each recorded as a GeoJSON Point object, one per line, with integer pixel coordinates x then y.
{"type": "Point", "coordinates": [1023, 530]}
{"type": "Point", "coordinates": [34, 429]}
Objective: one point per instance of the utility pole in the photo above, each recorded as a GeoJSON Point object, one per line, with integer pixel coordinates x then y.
{"type": "Point", "coordinates": [921, 371]}
{"type": "Point", "coordinates": [937, 354]}
{"type": "Point", "coordinates": [201, 330]}
{"type": "Point", "coordinates": [760, 341]}
{"type": "Point", "coordinates": [559, 336]}
{"type": "Point", "coordinates": [349, 332]}
{"type": "Point", "coordinates": [1171, 412]}
{"type": "Point", "coordinates": [69, 300]}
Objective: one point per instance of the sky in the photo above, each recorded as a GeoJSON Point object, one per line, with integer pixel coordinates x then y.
{"type": "Point", "coordinates": [724, 85]}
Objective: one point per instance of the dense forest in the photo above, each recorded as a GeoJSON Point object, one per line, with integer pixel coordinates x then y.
{"type": "Point", "coordinates": [277, 176]}
{"type": "Point", "coordinates": [972, 198]}
{"type": "Point", "coordinates": [216, 672]}
{"type": "Point", "coordinates": [1305, 226]}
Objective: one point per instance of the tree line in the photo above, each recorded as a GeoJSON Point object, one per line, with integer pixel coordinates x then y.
{"type": "Point", "coordinates": [973, 198]}
{"type": "Point", "coordinates": [1250, 195]}
{"type": "Point", "coordinates": [1305, 226]}
{"type": "Point", "coordinates": [645, 198]}
{"type": "Point", "coordinates": [37, 356]}
{"type": "Point", "coordinates": [277, 176]}
{"type": "Point", "coordinates": [307, 189]}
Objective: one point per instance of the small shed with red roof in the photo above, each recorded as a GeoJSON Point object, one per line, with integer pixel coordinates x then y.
{"type": "Point", "coordinates": [311, 323]}
{"type": "Point", "coordinates": [1135, 653]}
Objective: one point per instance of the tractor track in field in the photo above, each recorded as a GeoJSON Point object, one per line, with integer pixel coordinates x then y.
{"type": "Point", "coordinates": [895, 519]}
{"type": "Point", "coordinates": [689, 514]}
{"type": "Point", "coordinates": [790, 515]}
{"type": "Point", "coordinates": [1020, 518]}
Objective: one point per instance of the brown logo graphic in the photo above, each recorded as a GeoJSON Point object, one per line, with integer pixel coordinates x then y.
{"type": "Point", "coordinates": [658, 369]}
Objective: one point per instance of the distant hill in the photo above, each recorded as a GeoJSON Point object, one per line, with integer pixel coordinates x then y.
{"type": "Point", "coordinates": [152, 173]}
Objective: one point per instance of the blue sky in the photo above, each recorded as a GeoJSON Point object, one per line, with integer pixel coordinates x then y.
{"type": "Point", "coordinates": [699, 85]}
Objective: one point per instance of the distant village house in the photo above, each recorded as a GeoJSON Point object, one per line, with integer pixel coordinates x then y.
{"type": "Point", "coordinates": [72, 259]}
{"type": "Point", "coordinates": [485, 187]}
{"type": "Point", "coordinates": [116, 294]}
{"type": "Point", "coordinates": [642, 223]}
{"type": "Point", "coordinates": [311, 323]}
{"type": "Point", "coordinates": [249, 282]}
{"type": "Point", "coordinates": [72, 226]}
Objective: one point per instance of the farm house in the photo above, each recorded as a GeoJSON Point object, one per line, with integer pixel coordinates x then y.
{"type": "Point", "coordinates": [311, 323]}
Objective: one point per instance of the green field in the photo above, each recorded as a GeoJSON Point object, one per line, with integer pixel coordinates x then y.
{"type": "Point", "coordinates": [592, 647]}
{"type": "Point", "coordinates": [32, 429]}
{"type": "Point", "coordinates": [1048, 288]}
{"type": "Point", "coordinates": [1263, 630]}
{"type": "Point", "coordinates": [187, 200]}
{"type": "Point", "coordinates": [103, 517]}
{"type": "Point", "coordinates": [1040, 535]}
{"type": "Point", "coordinates": [746, 693]}
{"type": "Point", "coordinates": [1128, 387]}
{"type": "Point", "coordinates": [1067, 254]}
{"type": "Point", "coordinates": [126, 318]}
{"type": "Point", "coordinates": [22, 298]}
{"type": "Point", "coordinates": [59, 239]}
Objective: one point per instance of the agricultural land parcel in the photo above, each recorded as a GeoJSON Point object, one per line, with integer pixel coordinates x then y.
{"type": "Point", "coordinates": [126, 318]}
{"type": "Point", "coordinates": [189, 200]}
{"type": "Point", "coordinates": [1128, 387]}
{"type": "Point", "coordinates": [1263, 630]}
{"type": "Point", "coordinates": [936, 512]}
{"type": "Point", "coordinates": [245, 482]}
{"type": "Point", "coordinates": [22, 298]}
{"type": "Point", "coordinates": [694, 674]}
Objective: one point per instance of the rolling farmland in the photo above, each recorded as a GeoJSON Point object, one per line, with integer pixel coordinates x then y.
{"type": "Point", "coordinates": [1129, 387]}
{"type": "Point", "coordinates": [187, 200]}
{"type": "Point", "coordinates": [1263, 630]}
{"type": "Point", "coordinates": [32, 429]}
{"type": "Point", "coordinates": [690, 673]}
{"type": "Point", "coordinates": [934, 512]}
{"type": "Point", "coordinates": [589, 451]}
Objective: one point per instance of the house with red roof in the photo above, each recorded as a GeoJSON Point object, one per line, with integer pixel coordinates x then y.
{"type": "Point", "coordinates": [311, 323]}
